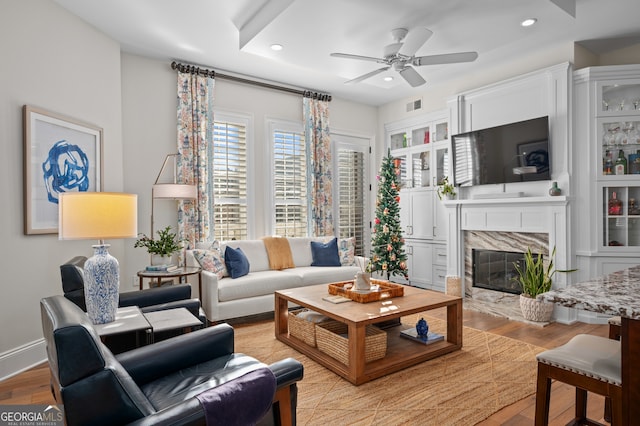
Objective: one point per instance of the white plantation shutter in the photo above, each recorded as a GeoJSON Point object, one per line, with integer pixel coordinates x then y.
{"type": "Point", "coordinates": [230, 181]}
{"type": "Point", "coordinates": [351, 197]}
{"type": "Point", "coordinates": [464, 155]}
{"type": "Point", "coordinates": [289, 183]}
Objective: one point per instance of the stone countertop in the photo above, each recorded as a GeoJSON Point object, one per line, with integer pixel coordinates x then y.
{"type": "Point", "coordinates": [614, 294]}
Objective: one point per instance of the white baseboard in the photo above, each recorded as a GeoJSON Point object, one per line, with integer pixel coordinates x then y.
{"type": "Point", "coordinates": [593, 317]}
{"type": "Point", "coordinates": [22, 358]}
{"type": "Point", "coordinates": [564, 315]}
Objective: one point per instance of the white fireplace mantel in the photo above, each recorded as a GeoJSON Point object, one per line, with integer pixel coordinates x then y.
{"type": "Point", "coordinates": [523, 214]}
{"type": "Point", "coordinates": [538, 214]}
{"type": "Point", "coordinates": [557, 200]}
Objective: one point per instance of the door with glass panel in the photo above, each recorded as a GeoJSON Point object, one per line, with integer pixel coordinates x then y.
{"type": "Point", "coordinates": [351, 188]}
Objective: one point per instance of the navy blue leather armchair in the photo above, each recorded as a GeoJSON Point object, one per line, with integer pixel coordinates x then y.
{"type": "Point", "coordinates": [148, 300]}
{"type": "Point", "coordinates": [154, 384]}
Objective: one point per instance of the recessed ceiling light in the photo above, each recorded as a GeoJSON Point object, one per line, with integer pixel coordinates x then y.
{"type": "Point", "coordinates": [388, 78]}
{"type": "Point", "coordinates": [528, 22]}
{"type": "Point", "coordinates": [276, 47]}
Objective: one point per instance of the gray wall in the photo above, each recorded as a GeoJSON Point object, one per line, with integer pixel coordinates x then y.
{"type": "Point", "coordinates": [51, 60]}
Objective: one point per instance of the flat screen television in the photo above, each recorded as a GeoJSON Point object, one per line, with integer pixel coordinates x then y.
{"type": "Point", "coordinates": [515, 152]}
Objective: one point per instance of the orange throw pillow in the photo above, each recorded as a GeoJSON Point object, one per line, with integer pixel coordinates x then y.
{"type": "Point", "coordinates": [279, 253]}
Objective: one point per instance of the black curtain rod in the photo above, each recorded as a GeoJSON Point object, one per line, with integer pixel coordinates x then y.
{"type": "Point", "coordinates": [211, 73]}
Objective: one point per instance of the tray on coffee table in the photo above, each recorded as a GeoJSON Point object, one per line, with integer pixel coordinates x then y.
{"type": "Point", "coordinates": [385, 290]}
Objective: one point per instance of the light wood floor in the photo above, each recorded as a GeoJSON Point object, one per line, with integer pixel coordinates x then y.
{"type": "Point", "coordinates": [32, 386]}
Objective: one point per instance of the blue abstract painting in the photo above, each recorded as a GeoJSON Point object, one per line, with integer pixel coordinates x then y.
{"type": "Point", "coordinates": [61, 155]}
{"type": "Point", "coordinates": [65, 169]}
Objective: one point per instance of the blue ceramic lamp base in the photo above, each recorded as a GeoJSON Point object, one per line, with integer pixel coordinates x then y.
{"type": "Point", "coordinates": [101, 285]}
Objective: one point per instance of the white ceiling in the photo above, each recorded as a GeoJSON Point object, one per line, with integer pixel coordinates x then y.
{"type": "Point", "coordinates": [209, 32]}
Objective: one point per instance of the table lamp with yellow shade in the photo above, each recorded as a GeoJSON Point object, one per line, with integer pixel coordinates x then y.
{"type": "Point", "coordinates": [100, 216]}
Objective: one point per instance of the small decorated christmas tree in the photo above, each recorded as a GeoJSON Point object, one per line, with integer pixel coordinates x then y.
{"type": "Point", "coordinates": [387, 244]}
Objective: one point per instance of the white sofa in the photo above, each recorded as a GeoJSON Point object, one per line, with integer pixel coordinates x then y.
{"type": "Point", "coordinates": [254, 293]}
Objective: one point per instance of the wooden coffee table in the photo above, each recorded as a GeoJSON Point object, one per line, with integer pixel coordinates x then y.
{"type": "Point", "coordinates": [401, 352]}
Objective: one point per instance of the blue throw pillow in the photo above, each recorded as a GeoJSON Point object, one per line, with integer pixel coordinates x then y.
{"type": "Point", "coordinates": [236, 261]}
{"type": "Point", "coordinates": [325, 254]}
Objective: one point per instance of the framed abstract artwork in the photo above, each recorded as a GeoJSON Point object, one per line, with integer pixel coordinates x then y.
{"type": "Point", "coordinates": [60, 155]}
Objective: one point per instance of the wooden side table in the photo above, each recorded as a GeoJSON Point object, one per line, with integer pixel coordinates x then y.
{"type": "Point", "coordinates": [180, 273]}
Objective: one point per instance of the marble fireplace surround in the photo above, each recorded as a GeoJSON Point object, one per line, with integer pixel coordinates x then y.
{"type": "Point", "coordinates": [492, 301]}
{"type": "Point", "coordinates": [510, 224]}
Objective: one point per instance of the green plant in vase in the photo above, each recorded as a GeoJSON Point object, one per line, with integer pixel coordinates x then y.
{"type": "Point", "coordinates": [166, 244]}
{"type": "Point", "coordinates": [535, 278]}
{"type": "Point", "coordinates": [446, 189]}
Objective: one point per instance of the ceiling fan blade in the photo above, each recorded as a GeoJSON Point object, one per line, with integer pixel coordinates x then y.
{"type": "Point", "coordinates": [447, 58]}
{"type": "Point", "coordinates": [359, 57]}
{"type": "Point", "coordinates": [391, 49]}
{"type": "Point", "coordinates": [367, 75]}
{"type": "Point", "coordinates": [414, 41]}
{"type": "Point", "coordinates": [412, 77]}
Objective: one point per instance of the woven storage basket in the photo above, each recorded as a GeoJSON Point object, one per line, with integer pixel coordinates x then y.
{"type": "Point", "coordinates": [330, 341]}
{"type": "Point", "coordinates": [301, 328]}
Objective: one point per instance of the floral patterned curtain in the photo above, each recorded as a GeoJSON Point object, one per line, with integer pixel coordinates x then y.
{"type": "Point", "coordinates": [195, 136]}
{"type": "Point", "coordinates": [316, 124]}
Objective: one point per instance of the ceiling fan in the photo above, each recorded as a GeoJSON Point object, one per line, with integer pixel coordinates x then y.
{"type": "Point", "coordinates": [401, 55]}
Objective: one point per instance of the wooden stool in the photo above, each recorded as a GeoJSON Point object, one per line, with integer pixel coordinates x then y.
{"type": "Point", "coordinates": [591, 364]}
{"type": "Point", "coordinates": [615, 325]}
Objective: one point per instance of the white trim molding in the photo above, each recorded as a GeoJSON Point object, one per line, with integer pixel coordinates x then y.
{"type": "Point", "coordinates": [22, 358]}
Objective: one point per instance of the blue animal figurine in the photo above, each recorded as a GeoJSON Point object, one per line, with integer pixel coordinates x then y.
{"type": "Point", "coordinates": [422, 328]}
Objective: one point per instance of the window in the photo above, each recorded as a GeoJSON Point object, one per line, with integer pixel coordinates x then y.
{"type": "Point", "coordinates": [352, 189]}
{"type": "Point", "coordinates": [289, 179]}
{"type": "Point", "coordinates": [230, 179]}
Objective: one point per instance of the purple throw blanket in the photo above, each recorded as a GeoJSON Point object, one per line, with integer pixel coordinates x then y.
{"type": "Point", "coordinates": [242, 401]}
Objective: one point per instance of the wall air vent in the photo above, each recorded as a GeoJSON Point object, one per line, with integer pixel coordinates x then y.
{"type": "Point", "coordinates": [414, 105]}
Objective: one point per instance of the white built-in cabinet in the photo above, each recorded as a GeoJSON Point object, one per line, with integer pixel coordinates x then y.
{"type": "Point", "coordinates": [606, 127]}
{"type": "Point", "coordinates": [420, 147]}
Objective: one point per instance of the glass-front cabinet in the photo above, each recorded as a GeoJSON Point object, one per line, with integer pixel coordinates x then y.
{"type": "Point", "coordinates": [615, 98]}
{"type": "Point", "coordinates": [421, 154]}
{"type": "Point", "coordinates": [618, 136]}
{"type": "Point", "coordinates": [420, 147]}
{"type": "Point", "coordinates": [620, 146]}
{"type": "Point", "coordinates": [411, 137]}
{"type": "Point", "coordinates": [442, 162]}
{"type": "Point", "coordinates": [621, 216]}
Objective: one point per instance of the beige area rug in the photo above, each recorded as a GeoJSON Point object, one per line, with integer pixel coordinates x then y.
{"type": "Point", "coordinates": [461, 388]}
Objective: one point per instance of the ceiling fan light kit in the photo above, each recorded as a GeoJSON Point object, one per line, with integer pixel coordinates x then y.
{"type": "Point", "coordinates": [400, 56]}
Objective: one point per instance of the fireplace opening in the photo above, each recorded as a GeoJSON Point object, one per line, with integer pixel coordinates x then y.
{"type": "Point", "coordinates": [495, 270]}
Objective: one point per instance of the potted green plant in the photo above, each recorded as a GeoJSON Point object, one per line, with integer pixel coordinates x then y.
{"type": "Point", "coordinates": [446, 189]}
{"type": "Point", "coordinates": [163, 247]}
{"type": "Point", "coordinates": [534, 278]}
